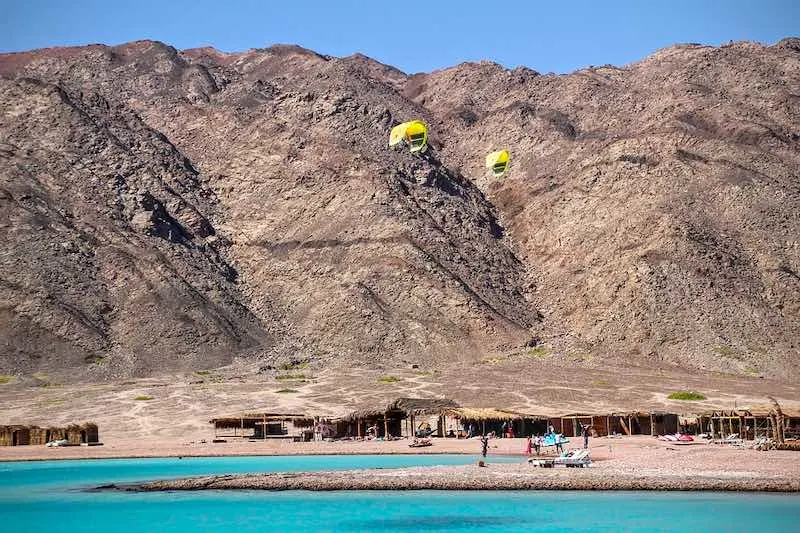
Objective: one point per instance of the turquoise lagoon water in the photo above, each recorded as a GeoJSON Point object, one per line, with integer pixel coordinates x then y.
{"type": "Point", "coordinates": [49, 496]}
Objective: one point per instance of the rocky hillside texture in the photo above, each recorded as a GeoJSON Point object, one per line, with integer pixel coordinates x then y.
{"type": "Point", "coordinates": [168, 210]}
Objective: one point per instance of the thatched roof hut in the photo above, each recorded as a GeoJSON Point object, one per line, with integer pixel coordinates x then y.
{"type": "Point", "coordinates": [763, 420]}
{"type": "Point", "coordinates": [483, 413]}
{"type": "Point", "coordinates": [260, 425]}
{"type": "Point", "coordinates": [15, 435]}
{"type": "Point", "coordinates": [493, 420]}
{"type": "Point", "coordinates": [421, 406]}
{"type": "Point", "coordinates": [20, 435]}
{"type": "Point", "coordinates": [637, 422]}
{"type": "Point", "coordinates": [402, 408]}
{"type": "Point", "coordinates": [85, 433]}
{"type": "Point", "coordinates": [391, 416]}
{"type": "Point", "coordinates": [250, 420]}
{"type": "Point", "coordinates": [764, 410]}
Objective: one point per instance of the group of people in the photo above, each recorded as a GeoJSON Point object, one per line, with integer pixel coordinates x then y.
{"type": "Point", "coordinates": [534, 443]}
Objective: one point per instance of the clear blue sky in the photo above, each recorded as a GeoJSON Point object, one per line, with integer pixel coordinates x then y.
{"type": "Point", "coordinates": [548, 36]}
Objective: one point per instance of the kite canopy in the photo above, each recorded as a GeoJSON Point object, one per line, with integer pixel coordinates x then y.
{"type": "Point", "coordinates": [414, 133]}
{"type": "Point", "coordinates": [498, 162]}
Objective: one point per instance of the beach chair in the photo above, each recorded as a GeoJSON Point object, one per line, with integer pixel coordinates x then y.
{"type": "Point", "coordinates": [733, 440]}
{"type": "Point", "coordinates": [574, 459]}
{"type": "Point", "coordinates": [763, 444]}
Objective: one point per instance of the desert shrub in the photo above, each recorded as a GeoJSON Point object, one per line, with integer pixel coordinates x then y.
{"type": "Point", "coordinates": [539, 352]}
{"type": "Point", "coordinates": [294, 365]}
{"type": "Point", "coordinates": [686, 395]}
{"type": "Point", "coordinates": [724, 350]}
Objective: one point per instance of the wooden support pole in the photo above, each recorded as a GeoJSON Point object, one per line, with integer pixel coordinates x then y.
{"type": "Point", "coordinates": [385, 425]}
{"type": "Point", "coordinates": [625, 428]}
{"type": "Point", "coordinates": [652, 429]}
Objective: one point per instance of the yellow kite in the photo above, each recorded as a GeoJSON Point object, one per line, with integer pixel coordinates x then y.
{"type": "Point", "coordinates": [498, 162]}
{"type": "Point", "coordinates": [414, 133]}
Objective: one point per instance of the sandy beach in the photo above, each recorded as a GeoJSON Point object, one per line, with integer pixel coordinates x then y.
{"type": "Point", "coordinates": [175, 424]}
{"type": "Point", "coordinates": [626, 463]}
{"type": "Point", "coordinates": [632, 463]}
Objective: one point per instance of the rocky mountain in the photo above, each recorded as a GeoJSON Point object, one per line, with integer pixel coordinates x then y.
{"type": "Point", "coordinates": [168, 210]}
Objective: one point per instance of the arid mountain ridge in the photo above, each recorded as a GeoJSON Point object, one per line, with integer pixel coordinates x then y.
{"type": "Point", "coordinates": [169, 210]}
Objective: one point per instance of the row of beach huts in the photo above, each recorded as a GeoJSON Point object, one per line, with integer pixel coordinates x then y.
{"type": "Point", "coordinates": [445, 418]}
{"type": "Point", "coordinates": [72, 435]}
{"type": "Point", "coordinates": [407, 417]}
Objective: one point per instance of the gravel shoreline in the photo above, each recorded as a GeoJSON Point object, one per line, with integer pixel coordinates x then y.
{"type": "Point", "coordinates": [471, 477]}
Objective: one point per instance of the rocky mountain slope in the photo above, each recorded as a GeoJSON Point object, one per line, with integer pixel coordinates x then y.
{"type": "Point", "coordinates": [174, 210]}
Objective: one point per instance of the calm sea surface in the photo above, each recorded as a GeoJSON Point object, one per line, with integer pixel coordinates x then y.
{"type": "Point", "coordinates": [48, 496]}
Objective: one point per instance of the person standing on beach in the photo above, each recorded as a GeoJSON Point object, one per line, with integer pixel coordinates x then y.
{"type": "Point", "coordinates": [484, 445]}
{"type": "Point", "coordinates": [528, 446]}
{"type": "Point", "coordinates": [585, 436]}
{"type": "Point", "coordinates": [537, 443]}
{"type": "Point", "coordinates": [559, 444]}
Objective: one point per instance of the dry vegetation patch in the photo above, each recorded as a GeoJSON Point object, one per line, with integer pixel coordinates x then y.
{"type": "Point", "coordinates": [686, 395]}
